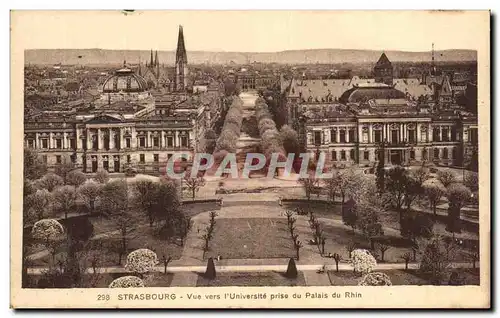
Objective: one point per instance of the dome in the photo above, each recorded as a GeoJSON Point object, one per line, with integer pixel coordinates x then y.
{"type": "Point", "coordinates": [124, 80]}
{"type": "Point", "coordinates": [359, 94]}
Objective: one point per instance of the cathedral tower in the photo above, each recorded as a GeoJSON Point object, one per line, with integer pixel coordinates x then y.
{"type": "Point", "coordinates": [181, 70]}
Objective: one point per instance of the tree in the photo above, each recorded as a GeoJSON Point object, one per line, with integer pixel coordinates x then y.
{"type": "Point", "coordinates": [50, 232]}
{"type": "Point", "coordinates": [446, 177]}
{"type": "Point", "coordinates": [383, 248]}
{"type": "Point", "coordinates": [434, 262]}
{"type": "Point", "coordinates": [114, 197]}
{"type": "Point", "coordinates": [406, 257]}
{"type": "Point", "coordinates": [75, 178]}
{"type": "Point", "coordinates": [185, 226]}
{"type": "Point", "coordinates": [79, 231]}
{"type": "Point", "coordinates": [127, 282]}
{"type": "Point", "coordinates": [291, 270]}
{"type": "Point", "coordinates": [298, 246]}
{"type": "Point", "coordinates": [102, 176]}
{"type": "Point", "coordinates": [62, 169]}
{"type": "Point", "coordinates": [167, 207]}
{"type": "Point", "coordinates": [375, 279]}
{"type": "Point", "coordinates": [125, 224]}
{"type": "Point", "coordinates": [350, 248]}
{"type": "Point", "coordinates": [50, 181]}
{"type": "Point", "coordinates": [165, 262]}
{"type": "Point", "coordinates": [417, 226]}
{"type": "Point", "coordinates": [362, 261]}
{"type": "Point", "coordinates": [89, 193]}
{"type": "Point", "coordinates": [194, 184]}
{"type": "Point", "coordinates": [141, 261]}
{"type": "Point", "coordinates": [457, 194]}
{"type": "Point", "coordinates": [146, 193]}
{"type": "Point", "coordinates": [351, 185]}
{"type": "Point", "coordinates": [421, 175]}
{"type": "Point", "coordinates": [210, 272]}
{"type": "Point", "coordinates": [309, 184]}
{"type": "Point", "coordinates": [434, 192]}
{"type": "Point", "coordinates": [34, 167]}
{"type": "Point", "coordinates": [337, 259]}
{"type": "Point", "coordinates": [289, 139]}
{"type": "Point", "coordinates": [471, 181]}
{"type": "Point", "coordinates": [38, 204]}
{"type": "Point", "coordinates": [369, 223]}
{"type": "Point", "coordinates": [65, 199]}
{"type": "Point", "coordinates": [380, 172]}
{"type": "Point", "coordinates": [397, 179]}
{"type": "Point", "coordinates": [332, 185]}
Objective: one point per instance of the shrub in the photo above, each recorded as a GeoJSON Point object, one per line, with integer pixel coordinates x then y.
{"type": "Point", "coordinates": [141, 261]}
{"type": "Point", "coordinates": [362, 261]}
{"type": "Point", "coordinates": [127, 282]}
{"type": "Point", "coordinates": [47, 229]}
{"type": "Point", "coordinates": [291, 270]}
{"type": "Point", "coordinates": [375, 279]}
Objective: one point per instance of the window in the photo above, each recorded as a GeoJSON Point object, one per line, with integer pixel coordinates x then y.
{"type": "Point", "coordinates": [473, 137]}
{"type": "Point", "coordinates": [435, 134]}
{"type": "Point", "coordinates": [31, 143]}
{"type": "Point", "coordinates": [84, 143]}
{"type": "Point", "coordinates": [141, 158]}
{"type": "Point", "coordinates": [423, 135]}
{"type": "Point", "coordinates": [333, 135]}
{"type": "Point", "coordinates": [365, 136]}
{"type": "Point", "coordinates": [352, 155]}
{"type": "Point", "coordinates": [169, 156]}
{"type": "Point", "coordinates": [342, 136]}
{"type": "Point", "coordinates": [411, 136]}
{"type": "Point", "coordinates": [72, 143]}
{"type": "Point", "coordinates": [184, 141]}
{"type": "Point", "coordinates": [342, 155]}
{"type": "Point", "coordinates": [58, 159]}
{"type": "Point", "coordinates": [334, 155]}
{"type": "Point", "coordinates": [412, 154]}
{"type": "Point", "coordinates": [394, 136]}
{"type": "Point", "coordinates": [454, 153]}
{"type": "Point", "coordinates": [366, 155]}
{"type": "Point", "coordinates": [155, 157]}
{"type": "Point", "coordinates": [156, 142]}
{"type": "Point", "coordinates": [436, 153]}
{"type": "Point", "coordinates": [127, 142]}
{"type": "Point", "coordinates": [378, 136]}
{"type": "Point", "coordinates": [128, 159]}
{"type": "Point", "coordinates": [317, 137]}
{"type": "Point", "coordinates": [59, 143]}
{"type": "Point", "coordinates": [142, 142]}
{"type": "Point", "coordinates": [105, 163]}
{"type": "Point", "coordinates": [351, 135]}
{"type": "Point", "coordinates": [445, 135]}
{"type": "Point", "coordinates": [170, 141]}
{"type": "Point", "coordinates": [445, 153]}
{"type": "Point", "coordinates": [453, 134]}
{"type": "Point", "coordinates": [424, 154]}
{"type": "Point", "coordinates": [44, 159]}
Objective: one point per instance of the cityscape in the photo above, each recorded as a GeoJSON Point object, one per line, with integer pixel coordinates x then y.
{"type": "Point", "coordinates": [103, 142]}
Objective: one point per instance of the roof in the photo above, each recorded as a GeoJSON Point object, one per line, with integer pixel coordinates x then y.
{"type": "Point", "coordinates": [383, 61]}
{"type": "Point", "coordinates": [124, 80]}
{"type": "Point", "coordinates": [361, 94]}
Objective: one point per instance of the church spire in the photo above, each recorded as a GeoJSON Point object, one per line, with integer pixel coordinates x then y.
{"type": "Point", "coordinates": [151, 62]}
{"type": "Point", "coordinates": [156, 58]}
{"type": "Point", "coordinates": [181, 47]}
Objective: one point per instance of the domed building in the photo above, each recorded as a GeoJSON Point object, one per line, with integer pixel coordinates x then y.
{"type": "Point", "coordinates": [378, 93]}
{"type": "Point", "coordinates": [125, 85]}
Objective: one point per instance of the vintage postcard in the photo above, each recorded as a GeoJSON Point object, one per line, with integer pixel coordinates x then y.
{"type": "Point", "coordinates": [250, 159]}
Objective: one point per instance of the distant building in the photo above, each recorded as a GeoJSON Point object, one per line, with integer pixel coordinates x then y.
{"type": "Point", "coordinates": [383, 71]}
{"type": "Point", "coordinates": [181, 61]}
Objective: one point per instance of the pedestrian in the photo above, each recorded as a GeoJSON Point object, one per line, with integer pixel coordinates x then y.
{"type": "Point", "coordinates": [218, 258]}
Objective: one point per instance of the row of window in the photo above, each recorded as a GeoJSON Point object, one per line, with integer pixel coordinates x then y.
{"type": "Point", "coordinates": [444, 154]}
{"type": "Point", "coordinates": [44, 143]}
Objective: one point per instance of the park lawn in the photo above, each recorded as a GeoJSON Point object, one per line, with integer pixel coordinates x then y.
{"type": "Point", "coordinates": [338, 238]}
{"type": "Point", "coordinates": [251, 238]}
{"type": "Point", "coordinates": [251, 279]}
{"type": "Point", "coordinates": [400, 277]}
{"type": "Point", "coordinates": [150, 280]}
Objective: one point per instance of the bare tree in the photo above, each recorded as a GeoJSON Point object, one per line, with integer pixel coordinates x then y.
{"type": "Point", "coordinates": [298, 246]}
{"type": "Point", "coordinates": [383, 248]}
{"type": "Point", "coordinates": [194, 184]}
{"type": "Point", "coordinates": [434, 192]}
{"type": "Point", "coordinates": [337, 259]}
{"type": "Point", "coordinates": [309, 184]}
{"type": "Point", "coordinates": [406, 257]}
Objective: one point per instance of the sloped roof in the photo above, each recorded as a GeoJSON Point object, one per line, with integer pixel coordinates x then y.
{"type": "Point", "coordinates": [361, 94]}
{"type": "Point", "coordinates": [383, 61]}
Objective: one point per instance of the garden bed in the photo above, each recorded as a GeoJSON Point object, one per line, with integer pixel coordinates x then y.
{"type": "Point", "coordinates": [251, 279]}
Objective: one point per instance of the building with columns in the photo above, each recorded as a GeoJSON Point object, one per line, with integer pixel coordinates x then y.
{"type": "Point", "coordinates": [352, 130]}
{"type": "Point", "coordinates": [124, 128]}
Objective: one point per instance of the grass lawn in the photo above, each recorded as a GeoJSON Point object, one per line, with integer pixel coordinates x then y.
{"type": "Point", "coordinates": [400, 277]}
{"type": "Point", "coordinates": [251, 238]}
{"type": "Point", "coordinates": [251, 279]}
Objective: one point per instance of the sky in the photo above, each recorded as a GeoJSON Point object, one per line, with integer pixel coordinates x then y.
{"type": "Point", "coordinates": [251, 31]}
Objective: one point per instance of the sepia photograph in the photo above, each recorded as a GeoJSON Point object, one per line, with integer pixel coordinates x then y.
{"type": "Point", "coordinates": [296, 158]}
